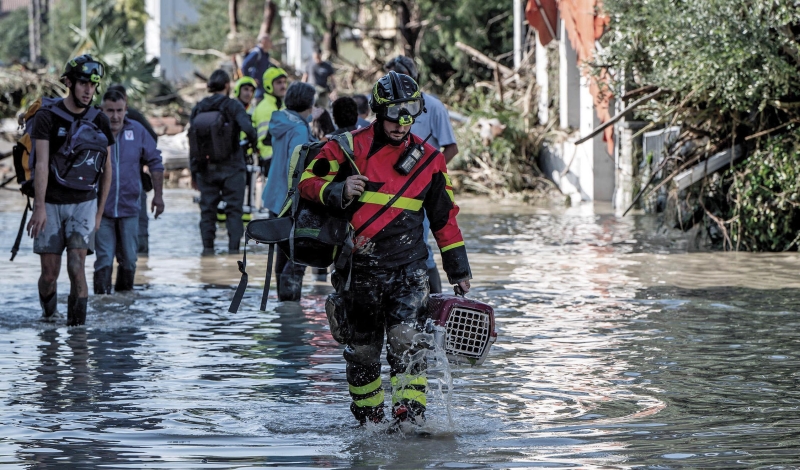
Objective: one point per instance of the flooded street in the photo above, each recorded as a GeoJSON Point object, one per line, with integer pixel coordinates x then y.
{"type": "Point", "coordinates": [615, 349]}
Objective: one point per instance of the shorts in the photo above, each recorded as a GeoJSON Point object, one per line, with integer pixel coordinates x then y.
{"type": "Point", "coordinates": [69, 226]}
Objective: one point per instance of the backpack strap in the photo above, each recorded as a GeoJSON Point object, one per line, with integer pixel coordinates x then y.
{"type": "Point", "coordinates": [15, 248]}
{"type": "Point", "coordinates": [239, 294]}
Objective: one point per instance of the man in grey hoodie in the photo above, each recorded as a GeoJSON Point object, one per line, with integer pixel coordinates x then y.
{"type": "Point", "coordinates": [289, 128]}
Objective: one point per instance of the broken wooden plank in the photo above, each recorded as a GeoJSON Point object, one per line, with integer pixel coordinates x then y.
{"type": "Point", "coordinates": [707, 167]}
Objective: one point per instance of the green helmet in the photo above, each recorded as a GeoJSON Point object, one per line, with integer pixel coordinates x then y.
{"type": "Point", "coordinates": [396, 97]}
{"type": "Point", "coordinates": [84, 68]}
{"type": "Point", "coordinates": [272, 74]}
{"type": "Point", "coordinates": [242, 82]}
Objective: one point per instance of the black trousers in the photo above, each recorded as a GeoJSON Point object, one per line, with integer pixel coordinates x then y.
{"type": "Point", "coordinates": [219, 183]}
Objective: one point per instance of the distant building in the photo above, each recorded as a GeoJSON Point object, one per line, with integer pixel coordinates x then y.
{"type": "Point", "coordinates": [7, 6]}
{"type": "Point", "coordinates": [165, 17]}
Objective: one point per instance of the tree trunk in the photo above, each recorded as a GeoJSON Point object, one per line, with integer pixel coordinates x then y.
{"type": "Point", "coordinates": [233, 22]}
{"type": "Point", "coordinates": [270, 12]}
{"type": "Point", "coordinates": [34, 31]}
{"type": "Point", "coordinates": [330, 43]}
{"type": "Point", "coordinates": [409, 25]}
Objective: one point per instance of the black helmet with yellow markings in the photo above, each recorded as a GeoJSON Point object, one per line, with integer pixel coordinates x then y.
{"type": "Point", "coordinates": [396, 97]}
{"type": "Point", "coordinates": [84, 68]}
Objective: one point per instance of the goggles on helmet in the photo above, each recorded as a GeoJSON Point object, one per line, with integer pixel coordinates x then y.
{"type": "Point", "coordinates": [404, 113]}
{"type": "Point", "coordinates": [90, 71]}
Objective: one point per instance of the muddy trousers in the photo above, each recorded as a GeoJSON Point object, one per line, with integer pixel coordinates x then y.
{"type": "Point", "coordinates": [391, 303]}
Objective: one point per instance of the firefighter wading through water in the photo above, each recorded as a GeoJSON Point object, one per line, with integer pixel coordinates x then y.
{"type": "Point", "coordinates": [387, 292]}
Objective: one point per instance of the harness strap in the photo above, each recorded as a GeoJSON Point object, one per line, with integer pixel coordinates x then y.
{"type": "Point", "coordinates": [18, 240]}
{"type": "Point", "coordinates": [239, 294]}
{"type": "Point", "coordinates": [402, 190]}
{"type": "Point", "coordinates": [265, 294]}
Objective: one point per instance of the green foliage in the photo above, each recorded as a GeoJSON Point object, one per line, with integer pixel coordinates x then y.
{"type": "Point", "coordinates": [483, 24]}
{"type": "Point", "coordinates": [766, 196]}
{"type": "Point", "coordinates": [14, 36]}
{"type": "Point", "coordinates": [730, 54]}
{"type": "Point", "coordinates": [63, 38]}
{"type": "Point", "coordinates": [211, 29]}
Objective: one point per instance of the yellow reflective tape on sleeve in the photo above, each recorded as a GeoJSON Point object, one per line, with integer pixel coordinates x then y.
{"type": "Point", "coordinates": [450, 247]}
{"type": "Point", "coordinates": [322, 190]}
{"type": "Point", "coordinates": [306, 175]}
{"type": "Point", "coordinates": [406, 203]}
{"type": "Point", "coordinates": [364, 389]}
{"type": "Point", "coordinates": [411, 395]}
{"type": "Point", "coordinates": [375, 400]}
{"type": "Point", "coordinates": [450, 193]}
{"type": "Point", "coordinates": [334, 166]}
{"type": "Point", "coordinates": [408, 379]}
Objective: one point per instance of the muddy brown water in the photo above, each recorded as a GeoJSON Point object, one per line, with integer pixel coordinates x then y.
{"type": "Point", "coordinates": [616, 349]}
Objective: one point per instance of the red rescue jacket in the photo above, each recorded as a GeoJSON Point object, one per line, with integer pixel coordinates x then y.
{"type": "Point", "coordinates": [390, 236]}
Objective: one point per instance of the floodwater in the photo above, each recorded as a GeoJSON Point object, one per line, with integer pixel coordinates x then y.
{"type": "Point", "coordinates": [616, 349]}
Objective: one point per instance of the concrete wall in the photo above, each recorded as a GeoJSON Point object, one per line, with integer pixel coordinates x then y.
{"type": "Point", "coordinates": [165, 18]}
{"type": "Point", "coordinates": [299, 42]}
{"type": "Point", "coordinates": [589, 171]}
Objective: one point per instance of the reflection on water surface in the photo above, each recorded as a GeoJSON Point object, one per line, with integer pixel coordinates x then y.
{"type": "Point", "coordinates": [616, 349]}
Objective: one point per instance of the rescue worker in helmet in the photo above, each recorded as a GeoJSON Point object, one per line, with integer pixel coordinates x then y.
{"type": "Point", "coordinates": [244, 90]}
{"type": "Point", "coordinates": [385, 286]}
{"type": "Point", "coordinates": [275, 84]}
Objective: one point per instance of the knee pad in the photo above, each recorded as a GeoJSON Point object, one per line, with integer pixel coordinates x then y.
{"type": "Point", "coordinates": [403, 338]}
{"type": "Point", "coordinates": [366, 354]}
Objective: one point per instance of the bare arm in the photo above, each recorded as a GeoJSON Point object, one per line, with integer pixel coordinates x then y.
{"type": "Point", "coordinates": [449, 152]}
{"type": "Point", "coordinates": [40, 178]}
{"type": "Point", "coordinates": [157, 206]}
{"type": "Point", "coordinates": [105, 186]}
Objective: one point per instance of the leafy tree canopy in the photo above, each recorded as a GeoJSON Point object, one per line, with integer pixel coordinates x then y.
{"type": "Point", "coordinates": [732, 54]}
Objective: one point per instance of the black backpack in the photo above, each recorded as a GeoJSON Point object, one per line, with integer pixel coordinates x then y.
{"type": "Point", "coordinates": [308, 233]}
{"type": "Point", "coordinates": [211, 136]}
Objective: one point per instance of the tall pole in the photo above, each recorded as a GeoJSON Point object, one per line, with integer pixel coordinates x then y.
{"type": "Point", "coordinates": [518, 18]}
{"type": "Point", "coordinates": [83, 17]}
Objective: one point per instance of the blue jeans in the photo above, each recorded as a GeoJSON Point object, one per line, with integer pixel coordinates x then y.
{"type": "Point", "coordinates": [143, 222]}
{"type": "Point", "coordinates": [120, 237]}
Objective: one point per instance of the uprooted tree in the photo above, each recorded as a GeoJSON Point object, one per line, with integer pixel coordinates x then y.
{"type": "Point", "coordinates": [729, 72]}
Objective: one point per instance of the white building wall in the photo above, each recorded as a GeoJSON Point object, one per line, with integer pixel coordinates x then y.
{"type": "Point", "coordinates": [299, 42]}
{"type": "Point", "coordinates": [165, 18]}
{"type": "Point", "coordinates": [585, 172]}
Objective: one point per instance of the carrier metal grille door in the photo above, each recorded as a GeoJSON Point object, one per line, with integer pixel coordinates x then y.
{"type": "Point", "coordinates": [467, 332]}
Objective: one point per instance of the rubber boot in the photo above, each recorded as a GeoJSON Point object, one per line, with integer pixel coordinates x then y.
{"type": "Point", "coordinates": [49, 307]}
{"type": "Point", "coordinates": [124, 279]}
{"type": "Point", "coordinates": [434, 280]}
{"type": "Point", "coordinates": [289, 287]}
{"type": "Point", "coordinates": [76, 311]}
{"type": "Point", "coordinates": [102, 281]}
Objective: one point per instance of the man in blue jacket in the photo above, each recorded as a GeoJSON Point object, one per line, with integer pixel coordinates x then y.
{"type": "Point", "coordinates": [119, 228]}
{"type": "Point", "coordinates": [257, 62]}
{"type": "Point", "coordinates": [289, 128]}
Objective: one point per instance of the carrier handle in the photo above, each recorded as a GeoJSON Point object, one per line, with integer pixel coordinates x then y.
{"type": "Point", "coordinates": [459, 291]}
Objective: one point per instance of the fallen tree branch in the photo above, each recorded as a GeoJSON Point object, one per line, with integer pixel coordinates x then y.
{"type": "Point", "coordinates": [213, 52]}
{"type": "Point", "coordinates": [597, 130]}
{"type": "Point", "coordinates": [483, 58]}
{"type": "Point", "coordinates": [768, 131]}
{"type": "Point", "coordinates": [638, 91]}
